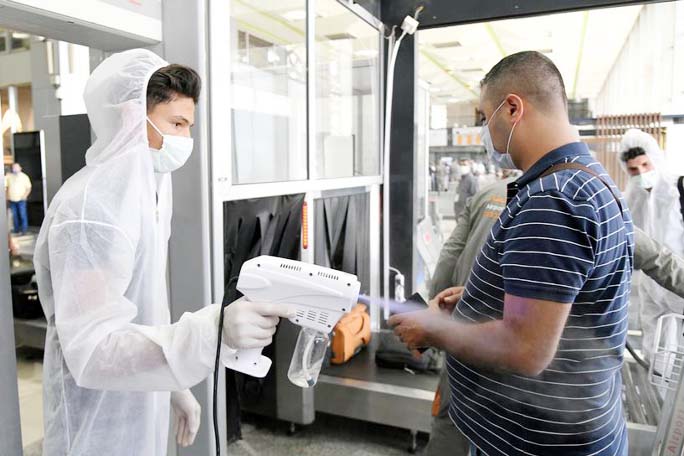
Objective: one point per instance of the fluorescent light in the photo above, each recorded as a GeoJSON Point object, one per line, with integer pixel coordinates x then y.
{"type": "Point", "coordinates": [295, 15]}
{"type": "Point", "coordinates": [447, 44]}
{"type": "Point", "coordinates": [340, 36]}
{"type": "Point", "coordinates": [20, 35]}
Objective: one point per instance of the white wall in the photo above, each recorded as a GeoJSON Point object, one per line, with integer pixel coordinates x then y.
{"type": "Point", "coordinates": [674, 149]}
{"type": "Point", "coordinates": [648, 75]}
{"type": "Point", "coordinates": [16, 68]}
{"type": "Point", "coordinates": [74, 71]}
{"type": "Point", "coordinates": [462, 114]}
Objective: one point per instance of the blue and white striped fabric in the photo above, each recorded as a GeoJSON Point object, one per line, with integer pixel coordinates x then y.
{"type": "Point", "coordinates": [561, 238]}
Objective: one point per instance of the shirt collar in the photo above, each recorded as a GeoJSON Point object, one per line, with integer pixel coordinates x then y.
{"type": "Point", "coordinates": [555, 156]}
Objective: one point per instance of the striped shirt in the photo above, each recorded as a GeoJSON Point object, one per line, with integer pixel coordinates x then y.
{"type": "Point", "coordinates": [561, 238]}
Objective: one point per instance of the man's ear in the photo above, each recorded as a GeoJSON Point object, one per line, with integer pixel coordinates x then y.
{"type": "Point", "coordinates": [514, 106]}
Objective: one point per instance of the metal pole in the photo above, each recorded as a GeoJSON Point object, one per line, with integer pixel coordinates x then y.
{"type": "Point", "coordinates": [2, 146]}
{"type": "Point", "coordinates": [190, 275]}
{"type": "Point", "coordinates": [10, 426]}
{"type": "Point", "coordinates": [13, 95]}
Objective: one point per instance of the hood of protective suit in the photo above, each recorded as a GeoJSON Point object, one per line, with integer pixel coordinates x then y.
{"type": "Point", "coordinates": [638, 138]}
{"type": "Point", "coordinates": [116, 101]}
{"type": "Point", "coordinates": [658, 204]}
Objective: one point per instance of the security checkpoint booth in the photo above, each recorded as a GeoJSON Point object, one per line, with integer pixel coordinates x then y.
{"type": "Point", "coordinates": [310, 145]}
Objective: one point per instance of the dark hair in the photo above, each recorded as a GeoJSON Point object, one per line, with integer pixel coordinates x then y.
{"type": "Point", "coordinates": [631, 153]}
{"type": "Point", "coordinates": [170, 82]}
{"type": "Point", "coordinates": [530, 74]}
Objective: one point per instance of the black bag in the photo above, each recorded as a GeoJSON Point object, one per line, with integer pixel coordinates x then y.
{"type": "Point", "coordinates": [392, 353]}
{"type": "Point", "coordinates": [680, 187]}
{"type": "Point", "coordinates": [25, 302]}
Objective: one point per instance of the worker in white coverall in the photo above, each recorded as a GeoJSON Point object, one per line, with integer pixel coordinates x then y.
{"type": "Point", "coordinates": [653, 200]}
{"type": "Point", "coordinates": [114, 364]}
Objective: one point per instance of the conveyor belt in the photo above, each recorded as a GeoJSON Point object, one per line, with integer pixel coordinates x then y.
{"type": "Point", "coordinates": [363, 368]}
{"type": "Point", "coordinates": [361, 390]}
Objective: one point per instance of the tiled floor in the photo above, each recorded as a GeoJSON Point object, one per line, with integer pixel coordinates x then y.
{"type": "Point", "coordinates": [328, 435]}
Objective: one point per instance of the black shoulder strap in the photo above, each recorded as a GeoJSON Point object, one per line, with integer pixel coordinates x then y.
{"type": "Point", "coordinates": [586, 169]}
{"type": "Point", "coordinates": [680, 187]}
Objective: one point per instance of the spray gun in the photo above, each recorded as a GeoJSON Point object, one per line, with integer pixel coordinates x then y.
{"type": "Point", "coordinates": [321, 296]}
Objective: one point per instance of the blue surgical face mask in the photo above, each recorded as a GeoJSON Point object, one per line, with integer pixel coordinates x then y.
{"type": "Point", "coordinates": [502, 159]}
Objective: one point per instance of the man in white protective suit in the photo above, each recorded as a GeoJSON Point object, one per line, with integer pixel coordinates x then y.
{"type": "Point", "coordinates": [653, 200]}
{"type": "Point", "coordinates": [114, 364]}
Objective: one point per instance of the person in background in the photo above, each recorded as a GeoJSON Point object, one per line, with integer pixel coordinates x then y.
{"type": "Point", "coordinates": [18, 189]}
{"type": "Point", "coordinates": [478, 168]}
{"type": "Point", "coordinates": [508, 173]}
{"type": "Point", "coordinates": [439, 176]}
{"type": "Point", "coordinates": [653, 200]}
{"type": "Point", "coordinates": [468, 185]}
{"type": "Point", "coordinates": [13, 247]}
{"type": "Point", "coordinates": [446, 176]}
{"type": "Point", "coordinates": [456, 261]}
{"type": "Point", "coordinates": [433, 178]}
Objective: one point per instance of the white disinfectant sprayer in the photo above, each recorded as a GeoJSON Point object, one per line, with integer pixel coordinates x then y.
{"type": "Point", "coordinates": [321, 296]}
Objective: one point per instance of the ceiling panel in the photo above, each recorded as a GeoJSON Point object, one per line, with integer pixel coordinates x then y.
{"type": "Point", "coordinates": [584, 46]}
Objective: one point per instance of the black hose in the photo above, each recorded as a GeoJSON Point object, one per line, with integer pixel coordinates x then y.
{"type": "Point", "coordinates": [640, 361]}
{"type": "Point", "coordinates": [217, 365]}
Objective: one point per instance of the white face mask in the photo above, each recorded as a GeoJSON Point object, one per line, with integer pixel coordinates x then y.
{"type": "Point", "coordinates": [646, 180]}
{"type": "Point", "coordinates": [173, 154]}
{"type": "Point", "coordinates": [502, 160]}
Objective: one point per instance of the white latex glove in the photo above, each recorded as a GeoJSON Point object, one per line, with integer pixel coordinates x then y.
{"type": "Point", "coordinates": [186, 412]}
{"type": "Point", "coordinates": [249, 324]}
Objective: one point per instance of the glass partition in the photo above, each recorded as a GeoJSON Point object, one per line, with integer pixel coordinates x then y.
{"type": "Point", "coordinates": [347, 93]}
{"type": "Point", "coordinates": [268, 77]}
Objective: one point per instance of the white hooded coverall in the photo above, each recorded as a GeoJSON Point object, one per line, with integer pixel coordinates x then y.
{"type": "Point", "coordinates": [111, 352]}
{"type": "Point", "coordinates": [657, 213]}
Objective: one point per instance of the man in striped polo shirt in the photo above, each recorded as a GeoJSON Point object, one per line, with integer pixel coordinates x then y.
{"type": "Point", "coordinates": [536, 343]}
